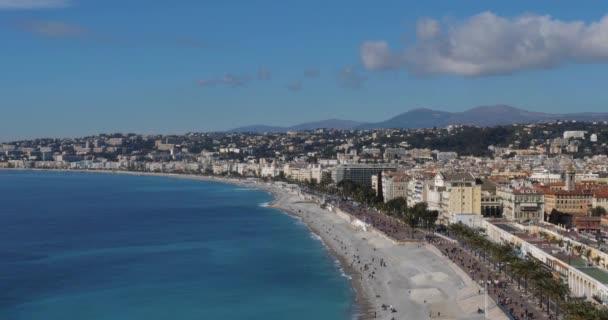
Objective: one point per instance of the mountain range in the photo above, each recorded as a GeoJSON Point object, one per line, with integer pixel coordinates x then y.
{"type": "Point", "coordinates": [428, 118]}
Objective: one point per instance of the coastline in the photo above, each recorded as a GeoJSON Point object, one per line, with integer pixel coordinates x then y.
{"type": "Point", "coordinates": [363, 301]}
{"type": "Point", "coordinates": [416, 281]}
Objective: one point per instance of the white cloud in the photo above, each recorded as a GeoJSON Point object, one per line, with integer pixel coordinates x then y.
{"type": "Point", "coordinates": [33, 4]}
{"type": "Point", "coordinates": [486, 44]}
{"type": "Point", "coordinates": [376, 55]}
{"type": "Point", "coordinates": [52, 28]}
{"type": "Point", "coordinates": [427, 28]}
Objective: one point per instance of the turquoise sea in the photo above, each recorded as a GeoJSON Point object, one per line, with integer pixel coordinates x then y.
{"type": "Point", "coordinates": [109, 246]}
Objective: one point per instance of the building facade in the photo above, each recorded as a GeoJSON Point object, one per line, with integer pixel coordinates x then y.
{"type": "Point", "coordinates": [523, 204]}
{"type": "Point", "coordinates": [359, 173]}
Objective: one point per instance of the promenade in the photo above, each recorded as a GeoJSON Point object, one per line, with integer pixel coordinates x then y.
{"type": "Point", "coordinates": [390, 226]}
{"type": "Point", "coordinates": [506, 293]}
{"type": "Point", "coordinates": [514, 301]}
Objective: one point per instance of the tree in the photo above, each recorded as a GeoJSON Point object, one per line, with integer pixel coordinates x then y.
{"type": "Point", "coordinates": [394, 206]}
{"type": "Point", "coordinates": [557, 291]}
{"type": "Point", "coordinates": [430, 218]}
{"type": "Point", "coordinates": [577, 309]}
{"type": "Point", "coordinates": [502, 254]}
{"type": "Point", "coordinates": [598, 211]}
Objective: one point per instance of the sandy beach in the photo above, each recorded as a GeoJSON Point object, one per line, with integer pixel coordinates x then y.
{"type": "Point", "coordinates": [413, 279]}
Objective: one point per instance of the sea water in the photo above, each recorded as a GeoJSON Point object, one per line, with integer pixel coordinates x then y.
{"type": "Point", "coordinates": [110, 246]}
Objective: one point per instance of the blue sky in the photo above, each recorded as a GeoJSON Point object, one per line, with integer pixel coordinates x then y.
{"type": "Point", "coordinates": [71, 68]}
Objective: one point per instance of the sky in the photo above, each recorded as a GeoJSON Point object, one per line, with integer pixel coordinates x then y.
{"type": "Point", "coordinates": [81, 67]}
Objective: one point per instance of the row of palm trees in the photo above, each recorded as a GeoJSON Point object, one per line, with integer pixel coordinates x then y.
{"type": "Point", "coordinates": [529, 273]}
{"type": "Point", "coordinates": [577, 249]}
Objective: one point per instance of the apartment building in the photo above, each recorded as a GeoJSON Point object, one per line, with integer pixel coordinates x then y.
{"type": "Point", "coordinates": [521, 204]}
{"type": "Point", "coordinates": [394, 185]}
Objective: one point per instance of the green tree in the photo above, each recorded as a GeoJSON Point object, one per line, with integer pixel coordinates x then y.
{"type": "Point", "coordinates": [598, 212]}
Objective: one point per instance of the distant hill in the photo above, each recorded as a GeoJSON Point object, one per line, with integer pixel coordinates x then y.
{"type": "Point", "coordinates": [479, 116]}
{"type": "Point", "coordinates": [416, 118]}
{"type": "Point", "coordinates": [428, 118]}
{"type": "Point", "coordinates": [258, 128]}
{"type": "Point", "coordinates": [329, 124]}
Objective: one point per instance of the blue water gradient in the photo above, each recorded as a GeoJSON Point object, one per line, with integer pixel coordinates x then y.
{"type": "Point", "coordinates": [108, 246]}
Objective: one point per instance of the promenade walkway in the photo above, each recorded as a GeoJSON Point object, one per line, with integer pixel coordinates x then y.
{"type": "Point", "coordinates": [519, 305]}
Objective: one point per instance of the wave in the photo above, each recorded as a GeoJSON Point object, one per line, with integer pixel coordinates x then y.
{"type": "Point", "coordinates": [264, 204]}
{"type": "Point", "coordinates": [342, 272]}
{"type": "Point", "coordinates": [316, 236]}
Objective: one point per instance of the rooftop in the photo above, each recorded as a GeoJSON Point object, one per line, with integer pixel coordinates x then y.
{"type": "Point", "coordinates": [595, 273]}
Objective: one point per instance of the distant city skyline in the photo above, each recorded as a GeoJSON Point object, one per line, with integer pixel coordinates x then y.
{"type": "Point", "coordinates": [77, 67]}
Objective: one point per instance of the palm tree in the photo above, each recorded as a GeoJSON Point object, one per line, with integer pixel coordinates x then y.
{"type": "Point", "coordinates": [520, 268]}
{"type": "Point", "coordinates": [530, 269]}
{"type": "Point", "coordinates": [502, 255]}
{"type": "Point", "coordinates": [542, 285]}
{"type": "Point", "coordinates": [588, 253]}
{"type": "Point", "coordinates": [579, 310]}
{"type": "Point", "coordinates": [558, 291]}
{"type": "Point", "coordinates": [597, 260]}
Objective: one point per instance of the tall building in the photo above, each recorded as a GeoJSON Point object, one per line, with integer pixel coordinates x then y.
{"type": "Point", "coordinates": [453, 193]}
{"type": "Point", "coordinates": [359, 173]}
{"type": "Point", "coordinates": [394, 185]}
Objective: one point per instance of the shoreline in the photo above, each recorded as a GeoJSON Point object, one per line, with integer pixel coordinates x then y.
{"type": "Point", "coordinates": [416, 281]}
{"type": "Point", "coordinates": [362, 303]}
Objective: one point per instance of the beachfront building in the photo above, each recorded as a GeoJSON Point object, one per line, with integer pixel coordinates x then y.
{"type": "Point", "coordinates": [521, 204]}
{"type": "Point", "coordinates": [270, 170]}
{"type": "Point", "coordinates": [394, 185]}
{"type": "Point", "coordinates": [454, 193]}
{"type": "Point", "coordinates": [298, 171]}
{"type": "Point", "coordinates": [376, 183]}
{"type": "Point", "coordinates": [359, 173]}
{"type": "Point", "coordinates": [416, 191]}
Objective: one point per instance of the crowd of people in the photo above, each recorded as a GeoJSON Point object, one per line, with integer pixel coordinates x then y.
{"type": "Point", "coordinates": [506, 294]}
{"type": "Point", "coordinates": [512, 300]}
{"type": "Point", "coordinates": [390, 226]}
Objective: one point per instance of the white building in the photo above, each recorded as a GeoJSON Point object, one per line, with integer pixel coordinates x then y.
{"type": "Point", "coordinates": [394, 185]}
{"type": "Point", "coordinates": [575, 134]}
{"type": "Point", "coordinates": [546, 177]}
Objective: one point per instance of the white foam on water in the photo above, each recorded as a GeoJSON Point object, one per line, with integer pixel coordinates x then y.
{"type": "Point", "coordinates": [344, 274]}
{"type": "Point", "coordinates": [315, 236]}
{"type": "Point", "coordinates": [264, 204]}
